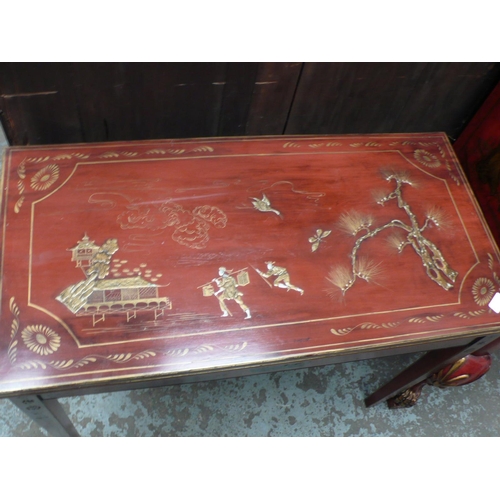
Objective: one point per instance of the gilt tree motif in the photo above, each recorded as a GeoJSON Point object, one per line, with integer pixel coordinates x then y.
{"type": "Point", "coordinates": [353, 223]}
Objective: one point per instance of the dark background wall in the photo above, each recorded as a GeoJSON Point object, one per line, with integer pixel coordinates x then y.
{"type": "Point", "coordinates": [44, 103]}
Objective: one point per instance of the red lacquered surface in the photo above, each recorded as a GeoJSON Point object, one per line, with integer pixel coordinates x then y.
{"type": "Point", "coordinates": [478, 150]}
{"type": "Point", "coordinates": [155, 221]}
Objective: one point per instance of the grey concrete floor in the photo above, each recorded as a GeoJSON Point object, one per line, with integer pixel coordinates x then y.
{"type": "Point", "coordinates": [324, 401]}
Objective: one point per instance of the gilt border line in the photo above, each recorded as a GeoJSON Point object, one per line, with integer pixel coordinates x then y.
{"type": "Point", "coordinates": [274, 325]}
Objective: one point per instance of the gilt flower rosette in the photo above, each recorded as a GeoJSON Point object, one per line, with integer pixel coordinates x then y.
{"type": "Point", "coordinates": [41, 180]}
{"type": "Point", "coordinates": [41, 339]}
{"type": "Point", "coordinates": [44, 178]}
{"type": "Point", "coordinates": [426, 158]}
{"type": "Point", "coordinates": [483, 291]}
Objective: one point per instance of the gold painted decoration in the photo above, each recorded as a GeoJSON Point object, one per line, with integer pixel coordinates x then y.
{"type": "Point", "coordinates": [413, 320]}
{"type": "Point", "coordinates": [228, 289]}
{"type": "Point", "coordinates": [39, 159]}
{"type": "Point", "coordinates": [45, 177]}
{"type": "Point", "coordinates": [431, 159]}
{"type": "Point", "coordinates": [264, 205]}
{"type": "Point", "coordinates": [470, 314]}
{"type": "Point", "coordinates": [40, 181]}
{"type": "Point", "coordinates": [451, 173]}
{"type": "Point", "coordinates": [49, 174]}
{"type": "Point", "coordinates": [156, 151]}
{"type": "Point", "coordinates": [44, 341]}
{"type": "Point", "coordinates": [14, 328]}
{"type": "Point", "coordinates": [483, 290]}
{"type": "Point", "coordinates": [21, 173]}
{"type": "Point", "coordinates": [446, 377]}
{"type": "Point", "coordinates": [97, 294]}
{"type": "Point", "coordinates": [58, 365]}
{"type": "Point", "coordinates": [41, 339]}
{"type": "Point", "coordinates": [208, 290]}
{"type": "Point", "coordinates": [318, 238]}
{"type": "Point", "coordinates": [363, 326]}
{"type": "Point", "coordinates": [365, 144]}
{"type": "Point", "coordinates": [426, 158]}
{"type": "Point", "coordinates": [149, 217]}
{"type": "Point", "coordinates": [235, 347]}
{"type": "Point", "coordinates": [281, 277]}
{"type": "Point", "coordinates": [424, 319]}
{"type": "Point", "coordinates": [408, 233]}
{"type": "Point", "coordinates": [67, 364]}
{"type": "Point", "coordinates": [407, 398]}
{"type": "Point", "coordinates": [329, 144]}
{"type": "Point", "coordinates": [19, 204]}
{"type": "Point", "coordinates": [191, 228]}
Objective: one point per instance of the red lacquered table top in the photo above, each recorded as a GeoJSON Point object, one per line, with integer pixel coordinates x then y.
{"type": "Point", "coordinates": [123, 261]}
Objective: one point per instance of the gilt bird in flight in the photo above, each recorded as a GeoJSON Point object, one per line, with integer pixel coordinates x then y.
{"type": "Point", "coordinates": [264, 205]}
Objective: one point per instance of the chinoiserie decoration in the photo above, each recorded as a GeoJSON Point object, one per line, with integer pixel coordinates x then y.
{"type": "Point", "coordinates": [282, 278]}
{"type": "Point", "coordinates": [264, 205]}
{"type": "Point", "coordinates": [227, 290]}
{"type": "Point", "coordinates": [191, 227]}
{"type": "Point", "coordinates": [318, 238]}
{"type": "Point", "coordinates": [353, 223]}
{"type": "Point", "coordinates": [98, 295]}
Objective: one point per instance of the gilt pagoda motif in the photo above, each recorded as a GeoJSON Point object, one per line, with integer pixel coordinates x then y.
{"type": "Point", "coordinates": [84, 252]}
{"type": "Point", "coordinates": [97, 295]}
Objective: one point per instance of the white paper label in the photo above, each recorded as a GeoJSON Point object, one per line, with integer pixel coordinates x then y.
{"type": "Point", "coordinates": [495, 303]}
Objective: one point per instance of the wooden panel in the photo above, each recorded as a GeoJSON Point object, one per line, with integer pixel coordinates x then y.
{"type": "Point", "coordinates": [147, 101]}
{"type": "Point", "coordinates": [44, 103]}
{"type": "Point", "coordinates": [236, 98]}
{"type": "Point", "coordinates": [92, 102]}
{"type": "Point", "coordinates": [118, 259]}
{"type": "Point", "coordinates": [272, 98]}
{"type": "Point", "coordinates": [389, 97]}
{"type": "Point", "coordinates": [38, 103]}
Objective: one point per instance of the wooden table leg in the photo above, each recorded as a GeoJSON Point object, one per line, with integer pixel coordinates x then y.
{"type": "Point", "coordinates": [404, 390]}
{"type": "Point", "coordinates": [47, 413]}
